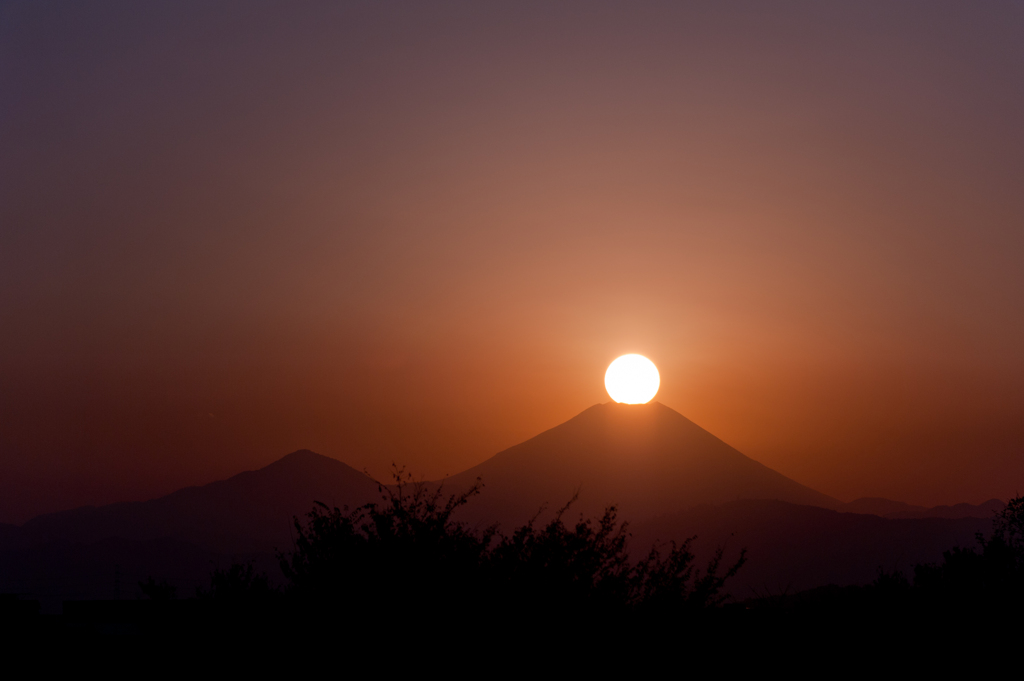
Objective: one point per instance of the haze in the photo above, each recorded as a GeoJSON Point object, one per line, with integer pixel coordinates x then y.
{"type": "Point", "coordinates": [388, 232]}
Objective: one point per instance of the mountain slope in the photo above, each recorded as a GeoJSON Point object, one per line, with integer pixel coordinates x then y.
{"type": "Point", "coordinates": [250, 511]}
{"type": "Point", "coordinates": [670, 478]}
{"type": "Point", "coordinates": [647, 459]}
{"type": "Point", "coordinates": [790, 547]}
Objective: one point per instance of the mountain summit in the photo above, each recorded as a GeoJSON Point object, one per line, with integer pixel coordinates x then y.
{"type": "Point", "coordinates": [647, 459]}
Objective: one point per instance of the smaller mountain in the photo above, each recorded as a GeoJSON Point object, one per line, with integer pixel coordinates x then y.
{"type": "Point", "coordinates": [791, 548]}
{"type": "Point", "coordinates": [251, 511]}
{"type": "Point", "coordinates": [887, 508]}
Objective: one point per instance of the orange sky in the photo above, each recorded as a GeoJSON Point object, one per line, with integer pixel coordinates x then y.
{"type": "Point", "coordinates": [392, 233]}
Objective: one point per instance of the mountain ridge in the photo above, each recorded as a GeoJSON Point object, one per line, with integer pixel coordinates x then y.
{"type": "Point", "coordinates": [887, 508]}
{"type": "Point", "coordinates": [290, 485]}
{"type": "Point", "coordinates": [670, 478]}
{"type": "Point", "coordinates": [247, 510]}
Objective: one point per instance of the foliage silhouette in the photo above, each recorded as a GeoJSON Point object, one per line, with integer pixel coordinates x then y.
{"type": "Point", "coordinates": [157, 591]}
{"type": "Point", "coordinates": [990, 579]}
{"type": "Point", "coordinates": [404, 554]}
{"type": "Point", "coordinates": [969, 582]}
{"type": "Point", "coordinates": [239, 583]}
{"type": "Point", "coordinates": [408, 554]}
{"type": "Point", "coordinates": [1009, 527]}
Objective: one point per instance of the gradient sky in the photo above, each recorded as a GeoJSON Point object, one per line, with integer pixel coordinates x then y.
{"type": "Point", "coordinates": [419, 232]}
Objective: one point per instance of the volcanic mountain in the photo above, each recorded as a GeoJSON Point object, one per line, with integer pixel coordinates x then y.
{"type": "Point", "coordinates": [648, 460]}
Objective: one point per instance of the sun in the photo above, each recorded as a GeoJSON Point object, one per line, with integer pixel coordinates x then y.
{"type": "Point", "coordinates": [632, 379]}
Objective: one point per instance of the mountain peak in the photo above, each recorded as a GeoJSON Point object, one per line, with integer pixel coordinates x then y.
{"type": "Point", "coordinates": [646, 459]}
{"type": "Point", "coordinates": [302, 458]}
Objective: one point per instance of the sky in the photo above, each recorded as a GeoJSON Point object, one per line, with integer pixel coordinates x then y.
{"type": "Point", "coordinates": [417, 233]}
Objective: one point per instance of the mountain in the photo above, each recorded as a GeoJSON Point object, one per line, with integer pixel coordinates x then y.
{"type": "Point", "coordinates": [251, 511]}
{"type": "Point", "coordinates": [647, 459]}
{"type": "Point", "coordinates": [898, 509]}
{"type": "Point", "coordinates": [90, 553]}
{"type": "Point", "coordinates": [670, 479]}
{"type": "Point", "coordinates": [791, 547]}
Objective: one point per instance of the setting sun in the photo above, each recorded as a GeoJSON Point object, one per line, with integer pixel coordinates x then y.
{"type": "Point", "coordinates": [632, 379]}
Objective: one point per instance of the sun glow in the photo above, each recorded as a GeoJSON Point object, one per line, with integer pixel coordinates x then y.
{"type": "Point", "coordinates": [632, 379]}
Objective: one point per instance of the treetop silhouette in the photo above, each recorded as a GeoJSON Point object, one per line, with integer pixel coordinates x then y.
{"type": "Point", "coordinates": [408, 553]}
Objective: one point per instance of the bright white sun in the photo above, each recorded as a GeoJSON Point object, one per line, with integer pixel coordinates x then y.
{"type": "Point", "coordinates": [632, 379]}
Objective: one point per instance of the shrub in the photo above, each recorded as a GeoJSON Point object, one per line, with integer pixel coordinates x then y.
{"type": "Point", "coordinates": [409, 555]}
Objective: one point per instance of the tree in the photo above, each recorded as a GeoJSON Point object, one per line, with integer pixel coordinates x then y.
{"type": "Point", "coordinates": [239, 583]}
{"type": "Point", "coordinates": [1009, 526]}
{"type": "Point", "coordinates": [157, 591]}
{"type": "Point", "coordinates": [409, 555]}
{"type": "Point", "coordinates": [992, 578]}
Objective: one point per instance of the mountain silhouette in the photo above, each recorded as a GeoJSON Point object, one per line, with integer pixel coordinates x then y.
{"type": "Point", "coordinates": [791, 547]}
{"type": "Point", "coordinates": [669, 478]}
{"type": "Point", "coordinates": [251, 511]}
{"type": "Point", "coordinates": [898, 509]}
{"type": "Point", "coordinates": [647, 459]}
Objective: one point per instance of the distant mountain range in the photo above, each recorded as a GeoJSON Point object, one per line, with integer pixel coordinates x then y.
{"type": "Point", "coordinates": [251, 511]}
{"type": "Point", "coordinates": [898, 509]}
{"type": "Point", "coordinates": [670, 479]}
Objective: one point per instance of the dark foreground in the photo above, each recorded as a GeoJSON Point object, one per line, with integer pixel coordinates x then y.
{"type": "Point", "coordinates": [402, 578]}
{"type": "Point", "coordinates": [863, 621]}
